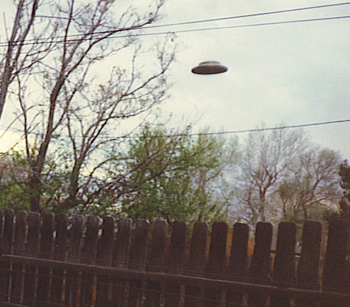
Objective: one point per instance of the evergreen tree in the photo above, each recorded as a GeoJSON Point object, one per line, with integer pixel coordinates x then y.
{"type": "Point", "coordinates": [344, 203]}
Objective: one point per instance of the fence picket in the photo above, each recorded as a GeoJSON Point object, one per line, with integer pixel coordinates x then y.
{"type": "Point", "coordinates": [32, 247]}
{"type": "Point", "coordinates": [75, 242]}
{"type": "Point", "coordinates": [156, 262]}
{"type": "Point", "coordinates": [78, 273]}
{"type": "Point", "coordinates": [18, 249]}
{"type": "Point", "coordinates": [260, 268]}
{"type": "Point", "coordinates": [284, 264]}
{"type": "Point", "coordinates": [238, 264]}
{"type": "Point", "coordinates": [138, 251]}
{"type": "Point", "coordinates": [88, 256]}
{"type": "Point", "coordinates": [216, 262]}
{"type": "Point", "coordinates": [121, 259]}
{"type": "Point", "coordinates": [5, 268]}
{"type": "Point", "coordinates": [196, 263]}
{"type": "Point", "coordinates": [175, 262]}
{"type": "Point", "coordinates": [308, 267]}
{"type": "Point", "coordinates": [335, 267]}
{"type": "Point", "coordinates": [58, 275]}
{"type": "Point", "coordinates": [104, 258]}
{"type": "Point", "coordinates": [44, 276]}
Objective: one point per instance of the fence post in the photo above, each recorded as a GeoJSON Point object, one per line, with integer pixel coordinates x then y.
{"type": "Point", "coordinates": [18, 249]}
{"type": "Point", "coordinates": [260, 269]}
{"type": "Point", "coordinates": [335, 268]}
{"type": "Point", "coordinates": [32, 247]}
{"type": "Point", "coordinates": [121, 259]}
{"type": "Point", "coordinates": [216, 262]}
{"type": "Point", "coordinates": [284, 265]}
{"type": "Point", "coordinates": [5, 268]}
{"type": "Point", "coordinates": [175, 262]}
{"type": "Point", "coordinates": [47, 229]}
{"type": "Point", "coordinates": [308, 268]}
{"type": "Point", "coordinates": [238, 264]}
{"type": "Point", "coordinates": [59, 255]}
{"type": "Point", "coordinates": [196, 263]}
{"type": "Point", "coordinates": [88, 256]}
{"type": "Point", "coordinates": [156, 262]}
{"type": "Point", "coordinates": [75, 242]}
{"type": "Point", "coordinates": [104, 258]}
{"type": "Point", "coordinates": [138, 251]}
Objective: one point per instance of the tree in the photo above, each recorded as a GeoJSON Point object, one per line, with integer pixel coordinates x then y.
{"type": "Point", "coordinates": [344, 203]}
{"type": "Point", "coordinates": [64, 87]}
{"type": "Point", "coordinates": [311, 185]}
{"type": "Point", "coordinates": [13, 63]}
{"type": "Point", "coordinates": [264, 162]}
{"type": "Point", "coordinates": [172, 176]}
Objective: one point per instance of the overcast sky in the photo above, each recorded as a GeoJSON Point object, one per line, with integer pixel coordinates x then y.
{"type": "Point", "coordinates": [286, 74]}
{"type": "Point", "coordinates": [289, 74]}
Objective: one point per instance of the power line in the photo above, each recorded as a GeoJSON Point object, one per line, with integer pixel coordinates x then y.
{"type": "Point", "coordinates": [221, 18]}
{"type": "Point", "coordinates": [305, 125]}
{"type": "Point", "coordinates": [239, 26]}
{"type": "Point", "coordinates": [250, 15]}
{"type": "Point", "coordinates": [192, 30]}
{"type": "Point", "coordinates": [61, 40]}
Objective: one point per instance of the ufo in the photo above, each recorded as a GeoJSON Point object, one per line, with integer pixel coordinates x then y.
{"type": "Point", "coordinates": [209, 68]}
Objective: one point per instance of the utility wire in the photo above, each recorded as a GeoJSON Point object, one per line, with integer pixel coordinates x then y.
{"type": "Point", "coordinates": [220, 18]}
{"type": "Point", "coordinates": [45, 41]}
{"type": "Point", "coordinates": [248, 15]}
{"type": "Point", "coordinates": [306, 125]}
{"type": "Point", "coordinates": [71, 37]}
{"type": "Point", "coordinates": [238, 26]}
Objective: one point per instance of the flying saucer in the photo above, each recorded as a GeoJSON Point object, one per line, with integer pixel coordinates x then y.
{"type": "Point", "coordinates": [209, 68]}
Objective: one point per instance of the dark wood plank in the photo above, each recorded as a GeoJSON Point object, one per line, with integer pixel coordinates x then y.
{"type": "Point", "coordinates": [196, 263]}
{"type": "Point", "coordinates": [335, 267]}
{"type": "Point", "coordinates": [32, 248]}
{"type": "Point", "coordinates": [104, 258]}
{"type": "Point", "coordinates": [238, 264]}
{"type": "Point", "coordinates": [46, 244]}
{"type": "Point", "coordinates": [121, 259]}
{"type": "Point", "coordinates": [5, 268]}
{"type": "Point", "coordinates": [309, 263]}
{"type": "Point", "coordinates": [260, 268]}
{"type": "Point", "coordinates": [156, 262]}
{"type": "Point", "coordinates": [60, 249]}
{"type": "Point", "coordinates": [88, 256]}
{"type": "Point", "coordinates": [175, 262]}
{"type": "Point", "coordinates": [216, 263]}
{"type": "Point", "coordinates": [76, 223]}
{"type": "Point", "coordinates": [18, 249]}
{"type": "Point", "coordinates": [138, 252]}
{"type": "Point", "coordinates": [284, 264]}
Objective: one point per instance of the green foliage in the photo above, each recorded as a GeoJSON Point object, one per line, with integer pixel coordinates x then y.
{"type": "Point", "coordinates": [344, 203]}
{"type": "Point", "coordinates": [15, 192]}
{"type": "Point", "coordinates": [172, 178]}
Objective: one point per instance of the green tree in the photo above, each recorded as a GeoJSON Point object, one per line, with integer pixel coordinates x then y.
{"type": "Point", "coordinates": [344, 173]}
{"type": "Point", "coordinates": [173, 177]}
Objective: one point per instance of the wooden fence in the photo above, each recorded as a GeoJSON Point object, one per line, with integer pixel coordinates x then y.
{"type": "Point", "coordinates": [65, 261]}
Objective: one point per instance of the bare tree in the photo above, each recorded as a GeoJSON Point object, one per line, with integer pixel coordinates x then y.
{"type": "Point", "coordinates": [12, 60]}
{"type": "Point", "coordinates": [312, 184]}
{"type": "Point", "coordinates": [69, 86]}
{"type": "Point", "coordinates": [265, 159]}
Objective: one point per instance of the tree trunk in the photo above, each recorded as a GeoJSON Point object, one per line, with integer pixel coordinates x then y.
{"type": "Point", "coordinates": [34, 184]}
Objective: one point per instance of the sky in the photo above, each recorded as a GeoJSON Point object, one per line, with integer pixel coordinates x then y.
{"type": "Point", "coordinates": [278, 75]}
